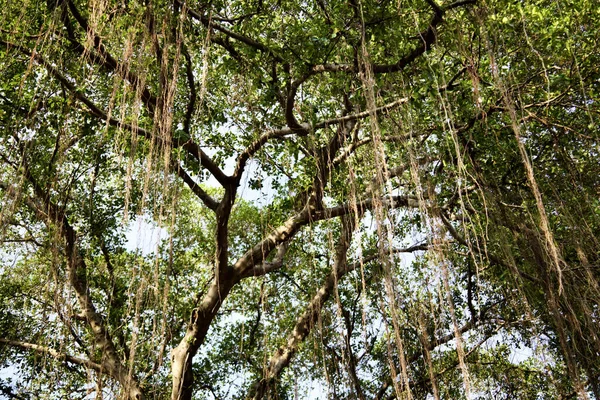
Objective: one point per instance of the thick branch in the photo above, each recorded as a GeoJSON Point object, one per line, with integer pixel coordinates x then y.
{"type": "Point", "coordinates": [200, 321]}
{"type": "Point", "coordinates": [260, 251]}
{"type": "Point", "coordinates": [307, 320]}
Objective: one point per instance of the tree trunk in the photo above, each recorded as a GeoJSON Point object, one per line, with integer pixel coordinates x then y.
{"type": "Point", "coordinates": [183, 354]}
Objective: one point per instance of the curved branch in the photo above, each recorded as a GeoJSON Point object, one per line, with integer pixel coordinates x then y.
{"type": "Point", "coordinates": [290, 100]}
{"type": "Point", "coordinates": [257, 145]}
{"type": "Point", "coordinates": [191, 147]}
{"type": "Point", "coordinates": [428, 39]}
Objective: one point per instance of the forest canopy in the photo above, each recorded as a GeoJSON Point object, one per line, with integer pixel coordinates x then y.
{"type": "Point", "coordinates": [275, 199]}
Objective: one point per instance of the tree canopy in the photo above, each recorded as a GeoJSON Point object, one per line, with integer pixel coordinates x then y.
{"type": "Point", "coordinates": [360, 199]}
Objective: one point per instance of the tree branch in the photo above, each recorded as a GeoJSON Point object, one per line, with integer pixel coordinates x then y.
{"type": "Point", "coordinates": [105, 59]}
{"type": "Point", "coordinates": [257, 145]}
{"type": "Point", "coordinates": [258, 253]}
{"type": "Point", "coordinates": [50, 214]}
{"type": "Point", "coordinates": [195, 188]}
{"type": "Point", "coordinates": [267, 267]}
{"type": "Point", "coordinates": [306, 321]}
{"type": "Point", "coordinates": [350, 357]}
{"type": "Point", "coordinates": [428, 39]}
{"type": "Point", "coordinates": [233, 35]}
{"type": "Point", "coordinates": [191, 105]}
{"type": "Point", "coordinates": [191, 147]}
{"type": "Point", "coordinates": [282, 357]}
{"type": "Point", "coordinates": [491, 257]}
{"type": "Point", "coordinates": [52, 352]}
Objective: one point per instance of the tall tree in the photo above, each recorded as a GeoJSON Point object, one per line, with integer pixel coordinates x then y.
{"type": "Point", "coordinates": [344, 199]}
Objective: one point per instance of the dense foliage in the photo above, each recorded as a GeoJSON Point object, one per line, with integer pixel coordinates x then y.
{"type": "Point", "coordinates": [278, 199]}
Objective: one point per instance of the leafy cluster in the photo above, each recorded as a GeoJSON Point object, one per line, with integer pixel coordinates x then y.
{"type": "Point", "coordinates": [280, 199]}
